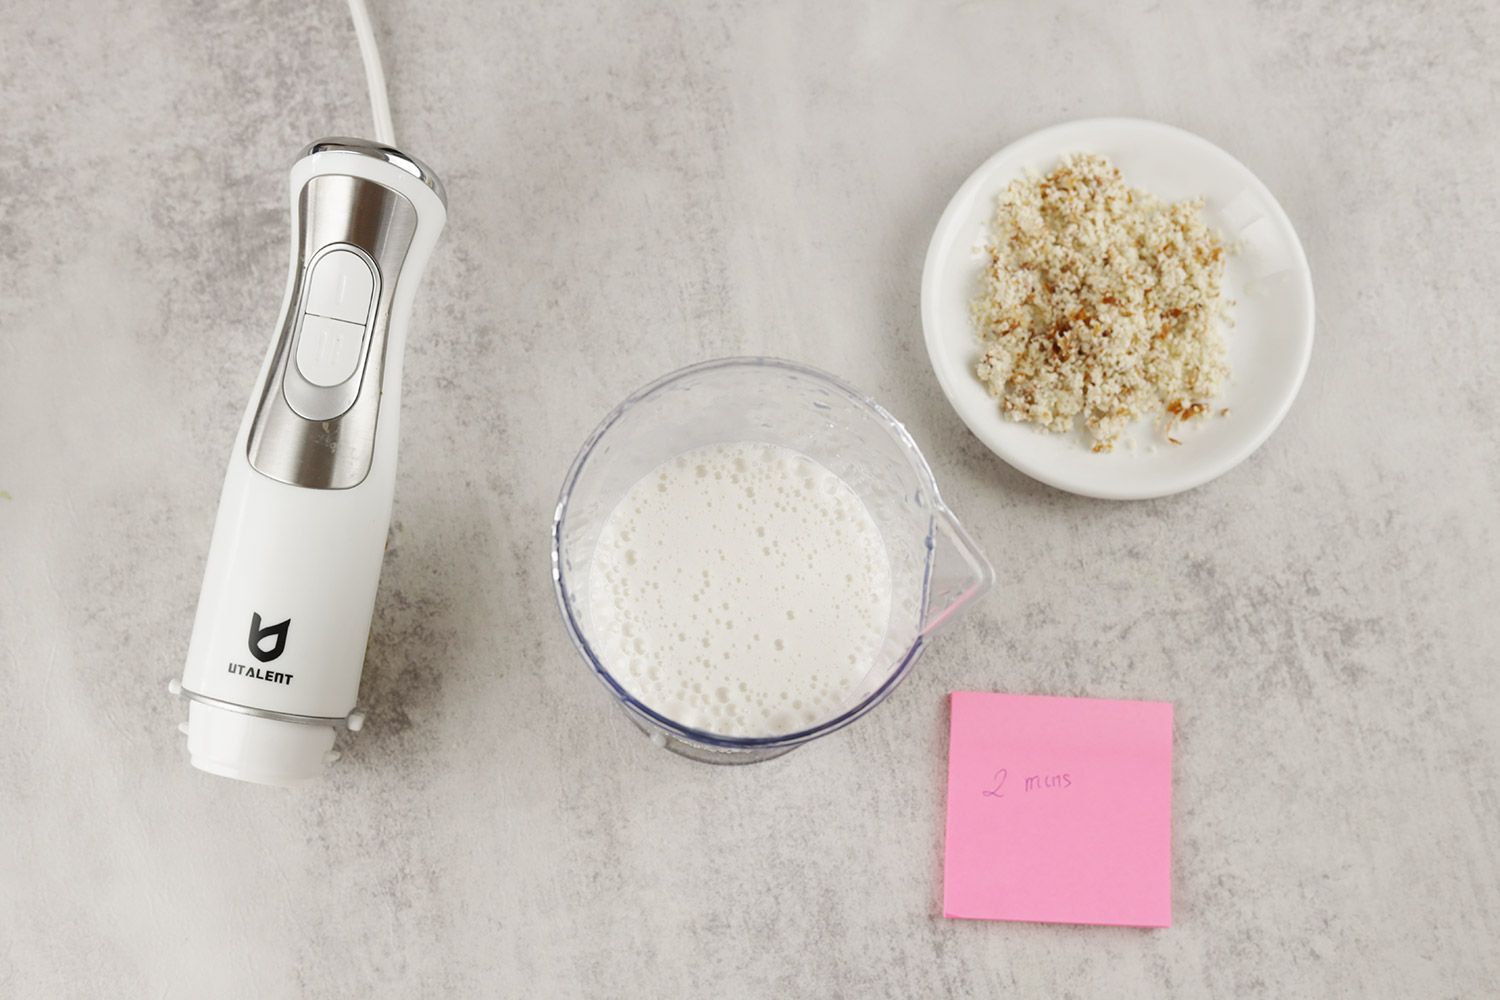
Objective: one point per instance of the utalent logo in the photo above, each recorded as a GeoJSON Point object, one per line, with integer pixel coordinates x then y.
{"type": "Point", "coordinates": [259, 635]}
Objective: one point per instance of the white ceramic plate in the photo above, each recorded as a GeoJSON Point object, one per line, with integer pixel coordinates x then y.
{"type": "Point", "coordinates": [1269, 339]}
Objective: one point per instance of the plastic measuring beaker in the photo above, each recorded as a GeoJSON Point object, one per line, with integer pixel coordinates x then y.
{"type": "Point", "coordinates": [936, 569]}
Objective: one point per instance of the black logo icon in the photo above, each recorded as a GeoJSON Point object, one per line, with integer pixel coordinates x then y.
{"type": "Point", "coordinates": [258, 636]}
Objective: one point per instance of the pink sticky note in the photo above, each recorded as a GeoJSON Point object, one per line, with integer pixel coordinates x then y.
{"type": "Point", "coordinates": [1059, 810]}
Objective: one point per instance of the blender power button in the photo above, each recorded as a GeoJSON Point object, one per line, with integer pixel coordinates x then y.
{"type": "Point", "coordinates": [341, 287]}
{"type": "Point", "coordinates": [328, 350]}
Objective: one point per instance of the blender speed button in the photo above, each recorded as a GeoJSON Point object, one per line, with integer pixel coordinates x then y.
{"type": "Point", "coordinates": [328, 350]}
{"type": "Point", "coordinates": [341, 287]}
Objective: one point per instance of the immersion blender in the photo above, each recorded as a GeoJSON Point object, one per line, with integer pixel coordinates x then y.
{"type": "Point", "coordinates": [279, 639]}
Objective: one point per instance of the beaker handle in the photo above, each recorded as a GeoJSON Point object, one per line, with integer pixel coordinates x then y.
{"type": "Point", "coordinates": [951, 590]}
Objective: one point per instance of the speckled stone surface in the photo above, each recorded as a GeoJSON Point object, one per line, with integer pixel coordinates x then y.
{"type": "Point", "coordinates": [635, 187]}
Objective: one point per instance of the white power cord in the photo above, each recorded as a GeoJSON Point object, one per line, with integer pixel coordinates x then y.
{"type": "Point", "coordinates": [380, 102]}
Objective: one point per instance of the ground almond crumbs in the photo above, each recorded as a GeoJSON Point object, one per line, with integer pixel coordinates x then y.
{"type": "Point", "coordinates": [1100, 301]}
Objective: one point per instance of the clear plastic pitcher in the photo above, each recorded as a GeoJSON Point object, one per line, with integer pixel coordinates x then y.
{"type": "Point", "coordinates": [936, 569]}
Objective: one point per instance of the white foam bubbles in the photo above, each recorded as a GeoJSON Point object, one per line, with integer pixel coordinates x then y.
{"type": "Point", "coordinates": [741, 589]}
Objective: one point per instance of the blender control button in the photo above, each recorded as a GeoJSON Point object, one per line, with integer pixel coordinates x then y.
{"type": "Point", "coordinates": [328, 350]}
{"type": "Point", "coordinates": [341, 287]}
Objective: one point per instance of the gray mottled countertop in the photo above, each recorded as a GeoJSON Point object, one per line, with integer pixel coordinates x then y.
{"type": "Point", "coordinates": [635, 187]}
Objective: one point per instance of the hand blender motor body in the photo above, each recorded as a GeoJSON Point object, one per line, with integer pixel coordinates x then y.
{"type": "Point", "coordinates": [284, 615]}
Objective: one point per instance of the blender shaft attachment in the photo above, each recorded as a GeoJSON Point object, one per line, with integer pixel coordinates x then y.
{"type": "Point", "coordinates": [279, 639]}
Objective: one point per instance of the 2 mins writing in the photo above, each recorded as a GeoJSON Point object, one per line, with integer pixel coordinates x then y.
{"type": "Point", "coordinates": [1034, 783]}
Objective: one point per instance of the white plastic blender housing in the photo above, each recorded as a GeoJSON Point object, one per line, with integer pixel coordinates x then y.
{"type": "Point", "coordinates": [279, 640]}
